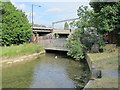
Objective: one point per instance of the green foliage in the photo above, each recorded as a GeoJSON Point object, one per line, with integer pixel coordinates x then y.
{"type": "Point", "coordinates": [21, 49]}
{"type": "Point", "coordinates": [72, 24]}
{"type": "Point", "coordinates": [86, 17]}
{"type": "Point", "coordinates": [85, 35]}
{"type": "Point", "coordinates": [15, 26]}
{"type": "Point", "coordinates": [76, 48]}
{"type": "Point", "coordinates": [0, 23]}
{"type": "Point", "coordinates": [66, 26]}
{"type": "Point", "coordinates": [57, 36]}
{"type": "Point", "coordinates": [92, 27]}
{"type": "Point", "coordinates": [98, 5]}
{"type": "Point", "coordinates": [107, 17]}
{"type": "Point", "coordinates": [75, 44]}
{"type": "Point", "coordinates": [88, 23]}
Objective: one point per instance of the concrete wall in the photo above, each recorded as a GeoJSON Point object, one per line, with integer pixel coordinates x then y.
{"type": "Point", "coordinates": [95, 72]}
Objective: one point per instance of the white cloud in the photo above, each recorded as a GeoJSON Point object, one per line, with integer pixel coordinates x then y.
{"type": "Point", "coordinates": [28, 14]}
{"type": "Point", "coordinates": [54, 10]}
{"type": "Point", "coordinates": [19, 6]}
{"type": "Point", "coordinates": [22, 6]}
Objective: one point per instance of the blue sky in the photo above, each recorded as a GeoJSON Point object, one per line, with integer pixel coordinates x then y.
{"type": "Point", "coordinates": [50, 11]}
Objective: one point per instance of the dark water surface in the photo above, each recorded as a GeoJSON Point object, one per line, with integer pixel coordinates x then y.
{"type": "Point", "coordinates": [48, 71]}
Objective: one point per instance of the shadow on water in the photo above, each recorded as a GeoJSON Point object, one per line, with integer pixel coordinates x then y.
{"type": "Point", "coordinates": [52, 70]}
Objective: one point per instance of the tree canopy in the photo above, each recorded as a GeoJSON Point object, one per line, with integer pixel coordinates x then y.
{"type": "Point", "coordinates": [81, 40]}
{"type": "Point", "coordinates": [107, 17]}
{"type": "Point", "coordinates": [92, 27]}
{"type": "Point", "coordinates": [15, 26]}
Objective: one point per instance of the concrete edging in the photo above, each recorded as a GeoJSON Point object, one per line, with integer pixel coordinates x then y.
{"type": "Point", "coordinates": [21, 58]}
{"type": "Point", "coordinates": [95, 72]}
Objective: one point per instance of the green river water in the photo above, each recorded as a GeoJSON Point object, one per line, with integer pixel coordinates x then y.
{"type": "Point", "coordinates": [48, 71]}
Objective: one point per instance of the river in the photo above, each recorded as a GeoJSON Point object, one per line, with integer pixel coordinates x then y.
{"type": "Point", "coordinates": [47, 71]}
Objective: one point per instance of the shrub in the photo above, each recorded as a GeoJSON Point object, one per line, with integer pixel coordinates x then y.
{"type": "Point", "coordinates": [15, 26]}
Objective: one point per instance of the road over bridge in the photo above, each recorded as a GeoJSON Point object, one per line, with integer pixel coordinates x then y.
{"type": "Point", "coordinates": [42, 29]}
{"type": "Point", "coordinates": [50, 30]}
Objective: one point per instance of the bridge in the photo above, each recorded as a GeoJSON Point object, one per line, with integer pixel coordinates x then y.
{"type": "Point", "coordinates": [54, 43]}
{"type": "Point", "coordinates": [50, 43]}
{"type": "Point", "coordinates": [50, 30]}
{"type": "Point", "coordinates": [57, 44]}
{"type": "Point", "coordinates": [58, 31]}
{"type": "Point", "coordinates": [42, 29]}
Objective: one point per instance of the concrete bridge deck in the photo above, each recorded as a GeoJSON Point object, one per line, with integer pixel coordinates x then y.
{"type": "Point", "coordinates": [42, 29]}
{"type": "Point", "coordinates": [56, 31]}
{"type": "Point", "coordinates": [50, 30]}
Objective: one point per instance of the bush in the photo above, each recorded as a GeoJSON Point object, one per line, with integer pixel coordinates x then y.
{"type": "Point", "coordinates": [75, 47]}
{"type": "Point", "coordinates": [15, 26]}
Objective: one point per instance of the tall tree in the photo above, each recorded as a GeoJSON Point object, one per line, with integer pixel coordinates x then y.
{"type": "Point", "coordinates": [66, 26]}
{"type": "Point", "coordinates": [81, 40]}
{"type": "Point", "coordinates": [107, 15]}
{"type": "Point", "coordinates": [15, 26]}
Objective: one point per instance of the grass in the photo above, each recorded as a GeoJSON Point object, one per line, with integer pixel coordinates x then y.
{"type": "Point", "coordinates": [106, 61]}
{"type": "Point", "coordinates": [23, 49]}
{"type": "Point", "coordinates": [108, 82]}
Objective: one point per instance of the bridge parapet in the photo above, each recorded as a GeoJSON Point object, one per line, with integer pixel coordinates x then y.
{"type": "Point", "coordinates": [55, 44]}
{"type": "Point", "coordinates": [42, 29]}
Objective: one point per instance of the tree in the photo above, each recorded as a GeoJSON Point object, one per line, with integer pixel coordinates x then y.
{"type": "Point", "coordinates": [97, 5]}
{"type": "Point", "coordinates": [15, 26]}
{"type": "Point", "coordinates": [107, 17]}
{"type": "Point", "coordinates": [78, 42]}
{"type": "Point", "coordinates": [85, 34]}
{"type": "Point", "coordinates": [66, 26]}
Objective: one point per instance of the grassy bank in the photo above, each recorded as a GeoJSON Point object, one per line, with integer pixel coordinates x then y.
{"type": "Point", "coordinates": [108, 63]}
{"type": "Point", "coordinates": [18, 50]}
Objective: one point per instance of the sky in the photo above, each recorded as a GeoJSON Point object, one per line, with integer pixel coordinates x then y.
{"type": "Point", "coordinates": [50, 10]}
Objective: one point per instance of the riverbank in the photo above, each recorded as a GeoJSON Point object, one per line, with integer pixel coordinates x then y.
{"type": "Point", "coordinates": [18, 53]}
{"type": "Point", "coordinates": [107, 62]}
{"type": "Point", "coordinates": [19, 50]}
{"type": "Point", "coordinates": [21, 58]}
